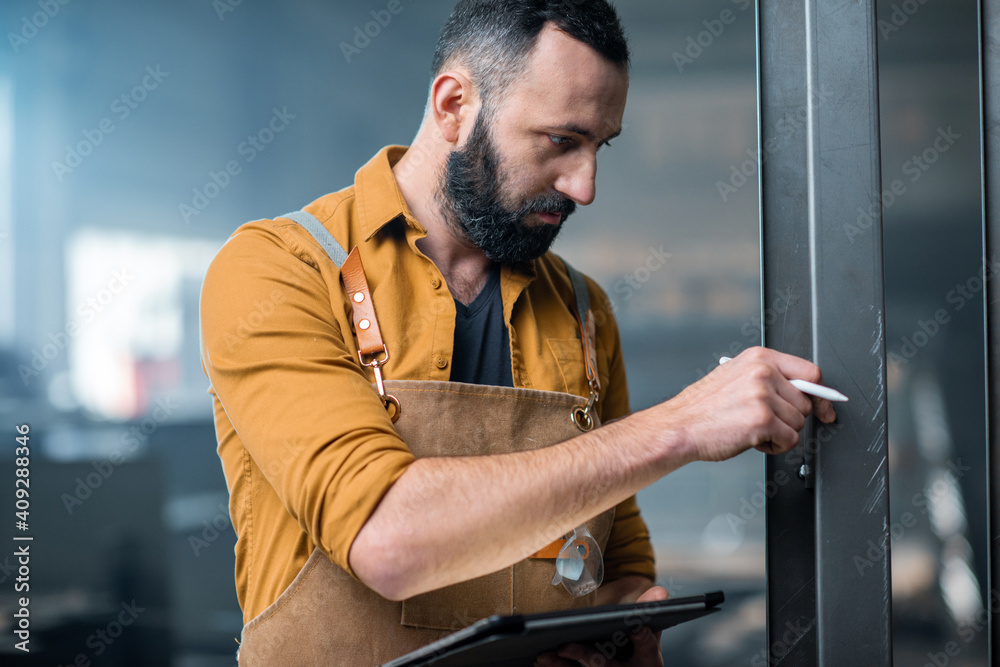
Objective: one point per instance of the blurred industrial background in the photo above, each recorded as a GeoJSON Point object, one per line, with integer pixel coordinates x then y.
{"type": "Point", "coordinates": [136, 136]}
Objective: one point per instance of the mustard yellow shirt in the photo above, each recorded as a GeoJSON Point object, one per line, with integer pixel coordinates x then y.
{"type": "Point", "coordinates": [307, 449]}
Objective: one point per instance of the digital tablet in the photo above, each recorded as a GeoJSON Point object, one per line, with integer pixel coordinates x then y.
{"type": "Point", "coordinates": [515, 641]}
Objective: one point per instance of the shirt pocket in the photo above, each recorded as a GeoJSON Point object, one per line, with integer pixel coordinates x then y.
{"type": "Point", "coordinates": [568, 355]}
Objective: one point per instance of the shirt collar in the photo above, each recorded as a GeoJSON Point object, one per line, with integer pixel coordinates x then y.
{"type": "Point", "coordinates": [379, 200]}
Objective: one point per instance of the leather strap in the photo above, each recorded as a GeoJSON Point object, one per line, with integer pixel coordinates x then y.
{"type": "Point", "coordinates": [586, 322]}
{"type": "Point", "coordinates": [551, 550]}
{"type": "Point", "coordinates": [370, 342]}
{"type": "Point", "coordinates": [366, 328]}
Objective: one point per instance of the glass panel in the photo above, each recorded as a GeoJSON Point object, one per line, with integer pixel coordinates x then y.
{"type": "Point", "coordinates": [934, 324]}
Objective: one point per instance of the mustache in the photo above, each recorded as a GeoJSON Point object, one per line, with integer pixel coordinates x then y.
{"type": "Point", "coordinates": [548, 203]}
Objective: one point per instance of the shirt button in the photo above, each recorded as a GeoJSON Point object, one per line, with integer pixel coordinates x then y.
{"type": "Point", "coordinates": [441, 362]}
{"type": "Point", "coordinates": [435, 282]}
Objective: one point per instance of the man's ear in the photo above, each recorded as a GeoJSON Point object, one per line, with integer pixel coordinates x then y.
{"type": "Point", "coordinates": [454, 103]}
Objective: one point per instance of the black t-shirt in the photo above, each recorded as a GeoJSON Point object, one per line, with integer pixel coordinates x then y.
{"type": "Point", "coordinates": [481, 353]}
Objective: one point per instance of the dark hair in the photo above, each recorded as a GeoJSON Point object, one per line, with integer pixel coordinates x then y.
{"type": "Point", "coordinates": [494, 37]}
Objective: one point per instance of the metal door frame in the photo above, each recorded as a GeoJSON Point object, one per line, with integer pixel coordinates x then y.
{"type": "Point", "coordinates": [828, 574]}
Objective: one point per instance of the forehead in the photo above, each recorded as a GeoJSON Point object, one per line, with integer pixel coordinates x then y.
{"type": "Point", "coordinates": [566, 82]}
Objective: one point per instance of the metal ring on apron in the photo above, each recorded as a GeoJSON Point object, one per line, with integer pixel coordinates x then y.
{"type": "Point", "coordinates": [581, 417]}
{"type": "Point", "coordinates": [397, 409]}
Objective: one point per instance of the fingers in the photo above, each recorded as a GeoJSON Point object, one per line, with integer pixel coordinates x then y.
{"type": "Point", "coordinates": [645, 653]}
{"type": "Point", "coordinates": [797, 400]}
{"type": "Point", "coordinates": [792, 367]}
{"type": "Point", "coordinates": [654, 594]}
{"type": "Point", "coordinates": [553, 660]}
{"type": "Point", "coordinates": [789, 365]}
{"type": "Point", "coordinates": [823, 409]}
{"type": "Point", "coordinates": [748, 402]}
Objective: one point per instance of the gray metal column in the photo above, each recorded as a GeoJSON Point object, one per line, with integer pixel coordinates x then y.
{"type": "Point", "coordinates": [989, 19]}
{"type": "Point", "coordinates": [828, 580]}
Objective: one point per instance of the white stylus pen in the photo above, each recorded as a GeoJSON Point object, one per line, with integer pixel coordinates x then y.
{"type": "Point", "coordinates": [809, 388]}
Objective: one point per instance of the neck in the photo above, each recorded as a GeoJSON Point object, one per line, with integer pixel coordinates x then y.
{"type": "Point", "coordinates": [418, 173]}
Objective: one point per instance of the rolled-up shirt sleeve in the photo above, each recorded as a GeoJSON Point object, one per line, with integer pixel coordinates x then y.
{"type": "Point", "coordinates": [274, 349]}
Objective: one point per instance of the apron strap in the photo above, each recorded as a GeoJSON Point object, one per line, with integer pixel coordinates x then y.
{"type": "Point", "coordinates": [372, 351]}
{"type": "Point", "coordinates": [311, 224]}
{"type": "Point", "coordinates": [370, 342]}
{"type": "Point", "coordinates": [352, 271]}
{"type": "Point", "coordinates": [588, 337]}
{"type": "Point", "coordinates": [580, 290]}
{"type": "Point", "coordinates": [371, 347]}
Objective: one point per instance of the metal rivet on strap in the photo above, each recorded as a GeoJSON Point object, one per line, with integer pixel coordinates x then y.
{"type": "Point", "coordinates": [364, 325]}
{"type": "Point", "coordinates": [359, 297]}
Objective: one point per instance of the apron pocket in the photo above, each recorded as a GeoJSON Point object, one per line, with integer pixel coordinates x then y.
{"type": "Point", "coordinates": [455, 607]}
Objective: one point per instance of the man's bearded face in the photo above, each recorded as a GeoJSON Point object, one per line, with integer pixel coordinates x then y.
{"type": "Point", "coordinates": [481, 208]}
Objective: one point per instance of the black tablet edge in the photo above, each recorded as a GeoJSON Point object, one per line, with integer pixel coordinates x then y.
{"type": "Point", "coordinates": [518, 623]}
{"type": "Point", "coordinates": [712, 599]}
{"type": "Point", "coordinates": [496, 624]}
{"type": "Point", "coordinates": [620, 613]}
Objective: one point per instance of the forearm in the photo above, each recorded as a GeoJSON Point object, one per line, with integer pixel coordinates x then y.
{"type": "Point", "coordinates": [450, 520]}
{"type": "Point", "coordinates": [447, 520]}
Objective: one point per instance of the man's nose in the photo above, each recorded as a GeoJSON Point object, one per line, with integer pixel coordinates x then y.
{"type": "Point", "coordinates": [578, 181]}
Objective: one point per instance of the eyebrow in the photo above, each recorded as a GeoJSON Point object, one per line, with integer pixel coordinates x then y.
{"type": "Point", "coordinates": [584, 132]}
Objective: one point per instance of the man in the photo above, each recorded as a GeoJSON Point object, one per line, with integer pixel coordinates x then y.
{"type": "Point", "coordinates": [360, 539]}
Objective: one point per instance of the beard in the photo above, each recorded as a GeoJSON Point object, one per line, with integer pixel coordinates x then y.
{"type": "Point", "coordinates": [475, 204]}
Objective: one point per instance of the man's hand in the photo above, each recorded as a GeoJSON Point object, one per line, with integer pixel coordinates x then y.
{"type": "Point", "coordinates": [646, 647]}
{"type": "Point", "coordinates": [748, 402]}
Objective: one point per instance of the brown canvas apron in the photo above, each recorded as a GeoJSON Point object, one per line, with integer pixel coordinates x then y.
{"type": "Point", "coordinates": [326, 617]}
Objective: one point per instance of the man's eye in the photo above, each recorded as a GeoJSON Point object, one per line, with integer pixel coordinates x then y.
{"type": "Point", "coordinates": [559, 141]}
